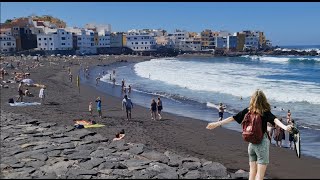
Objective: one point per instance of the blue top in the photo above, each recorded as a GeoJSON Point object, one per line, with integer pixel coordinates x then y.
{"type": "Point", "coordinates": [98, 104]}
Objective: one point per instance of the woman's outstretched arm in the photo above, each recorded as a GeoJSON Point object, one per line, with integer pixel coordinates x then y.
{"type": "Point", "coordinates": [280, 124]}
{"type": "Point", "coordinates": [219, 123]}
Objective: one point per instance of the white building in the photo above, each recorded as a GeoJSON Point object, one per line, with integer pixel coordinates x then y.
{"type": "Point", "coordinates": [103, 38]}
{"type": "Point", "coordinates": [141, 40]}
{"type": "Point", "coordinates": [7, 43]}
{"type": "Point", "coordinates": [59, 40]}
{"type": "Point", "coordinates": [85, 42]}
{"type": "Point", "coordinates": [251, 42]}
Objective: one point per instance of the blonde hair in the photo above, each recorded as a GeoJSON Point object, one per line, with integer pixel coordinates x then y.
{"type": "Point", "coordinates": [259, 103]}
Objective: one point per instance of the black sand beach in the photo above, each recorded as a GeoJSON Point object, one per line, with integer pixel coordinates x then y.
{"type": "Point", "coordinates": [175, 133]}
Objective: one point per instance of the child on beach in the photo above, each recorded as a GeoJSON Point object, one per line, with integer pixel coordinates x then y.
{"type": "Point", "coordinates": [258, 152]}
{"type": "Point", "coordinates": [90, 108]}
{"type": "Point", "coordinates": [42, 94]}
{"type": "Point", "coordinates": [291, 136]}
{"type": "Point", "coordinates": [221, 111]}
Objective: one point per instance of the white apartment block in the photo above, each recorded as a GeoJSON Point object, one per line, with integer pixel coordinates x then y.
{"type": "Point", "coordinates": [7, 43]}
{"type": "Point", "coordinates": [85, 42]}
{"type": "Point", "coordinates": [59, 40]}
{"type": "Point", "coordinates": [103, 39]}
{"type": "Point", "coordinates": [141, 40]}
{"type": "Point", "coordinates": [251, 42]}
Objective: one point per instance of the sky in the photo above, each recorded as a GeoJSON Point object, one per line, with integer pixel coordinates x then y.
{"type": "Point", "coordinates": [286, 23]}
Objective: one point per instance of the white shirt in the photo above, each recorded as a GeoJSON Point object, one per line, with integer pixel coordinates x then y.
{"type": "Point", "coordinates": [41, 93]}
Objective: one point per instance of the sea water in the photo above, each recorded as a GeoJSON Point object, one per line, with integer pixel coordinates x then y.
{"type": "Point", "coordinates": [193, 87]}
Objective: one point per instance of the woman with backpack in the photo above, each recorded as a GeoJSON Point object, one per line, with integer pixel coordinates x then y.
{"type": "Point", "coordinates": [254, 121]}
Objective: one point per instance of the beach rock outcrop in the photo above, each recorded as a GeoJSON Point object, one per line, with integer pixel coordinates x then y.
{"type": "Point", "coordinates": [36, 149]}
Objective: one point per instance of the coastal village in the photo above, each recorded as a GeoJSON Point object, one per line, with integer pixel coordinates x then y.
{"type": "Point", "coordinates": [41, 140]}
{"type": "Point", "coordinates": [51, 35]}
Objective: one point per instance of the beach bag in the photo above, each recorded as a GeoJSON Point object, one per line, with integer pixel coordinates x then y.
{"type": "Point", "coordinates": [252, 128]}
{"type": "Point", "coordinates": [10, 100]}
{"type": "Point", "coordinates": [79, 126]}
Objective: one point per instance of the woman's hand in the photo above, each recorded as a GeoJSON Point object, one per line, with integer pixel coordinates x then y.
{"type": "Point", "coordinates": [289, 128]}
{"type": "Point", "coordinates": [213, 125]}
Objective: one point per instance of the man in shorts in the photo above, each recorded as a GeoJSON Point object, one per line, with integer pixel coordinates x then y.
{"type": "Point", "coordinates": [127, 103]}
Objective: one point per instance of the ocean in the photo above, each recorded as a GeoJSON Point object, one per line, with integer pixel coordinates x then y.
{"type": "Point", "coordinates": [193, 87]}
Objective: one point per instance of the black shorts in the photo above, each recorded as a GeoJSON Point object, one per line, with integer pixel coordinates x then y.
{"type": "Point", "coordinates": [159, 108]}
{"type": "Point", "coordinates": [20, 93]}
{"type": "Point", "coordinates": [220, 114]}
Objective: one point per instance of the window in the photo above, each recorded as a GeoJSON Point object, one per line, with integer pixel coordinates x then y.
{"type": "Point", "coordinates": [132, 42]}
{"type": "Point", "coordinates": [79, 38]}
{"type": "Point", "coordinates": [141, 42]}
{"type": "Point", "coordinates": [45, 44]}
{"type": "Point", "coordinates": [67, 32]}
{"type": "Point", "coordinates": [51, 44]}
{"type": "Point", "coordinates": [50, 48]}
{"type": "Point", "coordinates": [135, 38]}
{"type": "Point", "coordinates": [57, 49]}
{"type": "Point", "coordinates": [146, 42]}
{"type": "Point", "coordinates": [44, 38]}
{"type": "Point", "coordinates": [39, 44]}
{"type": "Point", "coordinates": [63, 38]}
{"type": "Point", "coordinates": [39, 39]}
{"type": "Point", "coordinates": [136, 43]}
{"type": "Point", "coordinates": [63, 44]}
{"type": "Point", "coordinates": [62, 33]}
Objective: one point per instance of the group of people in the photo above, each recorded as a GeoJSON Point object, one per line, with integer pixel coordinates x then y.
{"type": "Point", "coordinates": [98, 105]}
{"type": "Point", "coordinates": [278, 134]}
{"type": "Point", "coordinates": [27, 93]}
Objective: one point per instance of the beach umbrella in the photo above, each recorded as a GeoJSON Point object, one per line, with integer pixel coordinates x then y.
{"type": "Point", "coordinates": [28, 81]}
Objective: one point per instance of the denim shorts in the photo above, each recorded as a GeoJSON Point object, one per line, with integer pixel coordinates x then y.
{"type": "Point", "coordinates": [260, 152]}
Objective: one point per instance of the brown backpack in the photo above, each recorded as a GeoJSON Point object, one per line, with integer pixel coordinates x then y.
{"type": "Point", "coordinates": [252, 128]}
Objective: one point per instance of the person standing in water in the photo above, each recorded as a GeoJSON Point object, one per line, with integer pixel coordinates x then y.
{"type": "Point", "coordinates": [258, 153]}
{"type": "Point", "coordinates": [129, 89]}
{"type": "Point", "coordinates": [288, 116]}
{"type": "Point", "coordinates": [221, 111]}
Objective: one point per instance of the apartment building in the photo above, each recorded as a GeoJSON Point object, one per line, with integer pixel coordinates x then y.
{"type": "Point", "coordinates": [59, 40]}
{"type": "Point", "coordinates": [141, 40]}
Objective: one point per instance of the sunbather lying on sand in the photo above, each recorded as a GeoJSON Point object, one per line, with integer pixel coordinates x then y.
{"type": "Point", "coordinates": [120, 135]}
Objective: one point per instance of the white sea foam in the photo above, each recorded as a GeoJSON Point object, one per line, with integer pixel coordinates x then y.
{"type": "Point", "coordinates": [281, 60]}
{"type": "Point", "coordinates": [233, 79]}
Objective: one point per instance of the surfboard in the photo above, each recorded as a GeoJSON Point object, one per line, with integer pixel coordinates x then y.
{"type": "Point", "coordinates": [296, 140]}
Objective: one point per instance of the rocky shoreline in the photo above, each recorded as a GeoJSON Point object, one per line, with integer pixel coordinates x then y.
{"type": "Point", "coordinates": [38, 149]}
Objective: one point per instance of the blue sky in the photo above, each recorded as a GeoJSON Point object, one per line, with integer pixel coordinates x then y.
{"type": "Point", "coordinates": [283, 23]}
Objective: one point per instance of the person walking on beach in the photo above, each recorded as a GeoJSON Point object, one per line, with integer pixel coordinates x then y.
{"type": "Point", "coordinates": [70, 77]}
{"type": "Point", "coordinates": [127, 103]}
{"type": "Point", "coordinates": [42, 94]}
{"type": "Point", "coordinates": [221, 111]}
{"type": "Point", "coordinates": [114, 82]}
{"type": "Point", "coordinates": [98, 101]}
{"type": "Point", "coordinates": [159, 107]}
{"type": "Point", "coordinates": [153, 109]}
{"type": "Point", "coordinates": [20, 92]}
{"type": "Point", "coordinates": [90, 108]}
{"type": "Point", "coordinates": [279, 134]}
{"type": "Point", "coordinates": [122, 84]}
{"type": "Point", "coordinates": [258, 114]}
{"type": "Point", "coordinates": [291, 136]}
{"type": "Point", "coordinates": [129, 89]}
{"type": "Point", "coordinates": [97, 80]}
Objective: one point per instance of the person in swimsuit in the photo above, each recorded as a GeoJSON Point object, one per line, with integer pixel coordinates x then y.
{"type": "Point", "coordinates": [153, 109]}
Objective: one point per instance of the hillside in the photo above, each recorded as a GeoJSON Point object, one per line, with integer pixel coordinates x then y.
{"type": "Point", "coordinates": [24, 21]}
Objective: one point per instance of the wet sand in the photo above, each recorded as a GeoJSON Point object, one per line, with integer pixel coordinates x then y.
{"type": "Point", "coordinates": [175, 133]}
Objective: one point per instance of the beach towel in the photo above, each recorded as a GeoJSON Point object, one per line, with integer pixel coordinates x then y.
{"type": "Point", "coordinates": [21, 104]}
{"type": "Point", "coordinates": [87, 124]}
{"type": "Point", "coordinates": [94, 125]}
